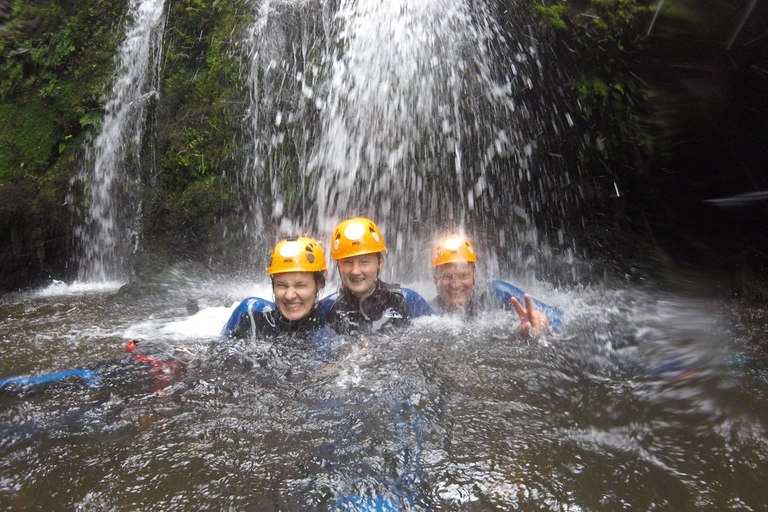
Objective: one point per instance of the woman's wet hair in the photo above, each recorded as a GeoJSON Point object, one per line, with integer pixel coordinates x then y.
{"type": "Point", "coordinates": [319, 276]}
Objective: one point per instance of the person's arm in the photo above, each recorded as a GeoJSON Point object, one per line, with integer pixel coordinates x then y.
{"type": "Point", "coordinates": [532, 322]}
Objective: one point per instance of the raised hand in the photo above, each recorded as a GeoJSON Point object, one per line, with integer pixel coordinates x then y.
{"type": "Point", "coordinates": [532, 322]}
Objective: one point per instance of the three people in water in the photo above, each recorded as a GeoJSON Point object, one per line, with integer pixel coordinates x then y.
{"type": "Point", "coordinates": [365, 303]}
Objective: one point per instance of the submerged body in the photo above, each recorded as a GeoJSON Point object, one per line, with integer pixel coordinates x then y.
{"type": "Point", "coordinates": [365, 303]}
{"type": "Point", "coordinates": [454, 275]}
{"type": "Point", "coordinates": [269, 324]}
{"type": "Point", "coordinates": [381, 311]}
{"type": "Point", "coordinates": [482, 298]}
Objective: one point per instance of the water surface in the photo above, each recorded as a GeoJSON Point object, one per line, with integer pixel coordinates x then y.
{"type": "Point", "coordinates": [644, 400]}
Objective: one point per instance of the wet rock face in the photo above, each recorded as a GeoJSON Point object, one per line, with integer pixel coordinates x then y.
{"type": "Point", "coordinates": [5, 7]}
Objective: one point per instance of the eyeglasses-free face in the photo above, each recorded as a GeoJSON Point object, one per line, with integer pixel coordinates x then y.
{"type": "Point", "coordinates": [359, 273]}
{"type": "Point", "coordinates": [295, 294]}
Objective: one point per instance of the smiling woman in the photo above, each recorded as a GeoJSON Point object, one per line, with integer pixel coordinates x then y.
{"type": "Point", "coordinates": [298, 272]}
{"type": "Point", "coordinates": [365, 303]}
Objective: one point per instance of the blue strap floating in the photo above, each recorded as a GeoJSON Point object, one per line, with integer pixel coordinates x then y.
{"type": "Point", "coordinates": [88, 377]}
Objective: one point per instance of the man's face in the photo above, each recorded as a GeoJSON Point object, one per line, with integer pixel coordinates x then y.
{"type": "Point", "coordinates": [455, 283]}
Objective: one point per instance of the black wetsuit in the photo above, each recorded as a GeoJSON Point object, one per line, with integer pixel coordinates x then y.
{"type": "Point", "coordinates": [268, 324]}
{"type": "Point", "coordinates": [483, 299]}
{"type": "Point", "coordinates": [268, 341]}
{"type": "Point", "coordinates": [382, 311]}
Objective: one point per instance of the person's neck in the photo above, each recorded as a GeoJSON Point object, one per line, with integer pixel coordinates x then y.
{"type": "Point", "coordinates": [458, 308]}
{"type": "Point", "coordinates": [364, 295]}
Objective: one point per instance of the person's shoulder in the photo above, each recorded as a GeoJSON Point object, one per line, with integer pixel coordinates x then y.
{"type": "Point", "coordinates": [389, 288]}
{"type": "Point", "coordinates": [393, 297]}
{"type": "Point", "coordinates": [391, 294]}
{"type": "Point", "coordinates": [340, 303]}
{"type": "Point", "coordinates": [438, 305]}
{"type": "Point", "coordinates": [485, 297]}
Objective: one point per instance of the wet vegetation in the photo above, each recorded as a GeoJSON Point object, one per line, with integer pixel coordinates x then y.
{"type": "Point", "coordinates": [673, 118]}
{"type": "Point", "coordinates": [666, 108]}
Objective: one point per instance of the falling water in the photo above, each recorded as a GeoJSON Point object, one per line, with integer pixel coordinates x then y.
{"type": "Point", "coordinates": [646, 399]}
{"type": "Point", "coordinates": [285, 45]}
{"type": "Point", "coordinates": [413, 116]}
{"type": "Point", "coordinates": [112, 174]}
{"type": "Point", "coordinates": [397, 110]}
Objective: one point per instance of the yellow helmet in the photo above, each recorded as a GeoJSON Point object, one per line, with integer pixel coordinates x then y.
{"type": "Point", "coordinates": [354, 237]}
{"type": "Point", "coordinates": [452, 249]}
{"type": "Point", "coordinates": [297, 254]}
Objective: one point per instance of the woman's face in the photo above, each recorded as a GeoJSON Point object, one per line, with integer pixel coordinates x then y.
{"type": "Point", "coordinates": [359, 273]}
{"type": "Point", "coordinates": [295, 294]}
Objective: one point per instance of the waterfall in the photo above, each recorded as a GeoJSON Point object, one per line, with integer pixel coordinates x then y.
{"type": "Point", "coordinates": [286, 45]}
{"type": "Point", "coordinates": [395, 110]}
{"type": "Point", "coordinates": [112, 175]}
{"type": "Point", "coordinates": [416, 119]}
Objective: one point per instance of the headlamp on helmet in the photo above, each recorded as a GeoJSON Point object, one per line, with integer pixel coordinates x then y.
{"type": "Point", "coordinates": [453, 249]}
{"type": "Point", "coordinates": [297, 254]}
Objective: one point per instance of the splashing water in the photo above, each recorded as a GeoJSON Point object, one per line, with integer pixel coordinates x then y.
{"type": "Point", "coordinates": [395, 110]}
{"type": "Point", "coordinates": [108, 234]}
{"type": "Point", "coordinates": [644, 398]}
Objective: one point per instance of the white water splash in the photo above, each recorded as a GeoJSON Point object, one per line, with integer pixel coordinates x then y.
{"type": "Point", "coordinates": [396, 110]}
{"type": "Point", "coordinates": [57, 288]}
{"type": "Point", "coordinates": [113, 180]}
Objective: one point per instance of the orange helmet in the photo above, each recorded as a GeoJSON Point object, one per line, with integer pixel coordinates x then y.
{"type": "Point", "coordinates": [354, 237]}
{"type": "Point", "coordinates": [297, 254]}
{"type": "Point", "coordinates": [451, 249]}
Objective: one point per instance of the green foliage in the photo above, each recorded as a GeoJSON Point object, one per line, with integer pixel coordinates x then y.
{"type": "Point", "coordinates": [593, 51]}
{"type": "Point", "coordinates": [26, 142]}
{"type": "Point", "coordinates": [57, 60]}
{"type": "Point", "coordinates": [553, 14]}
{"type": "Point", "coordinates": [55, 65]}
{"type": "Point", "coordinates": [201, 201]}
{"type": "Point", "coordinates": [599, 34]}
{"type": "Point", "coordinates": [194, 154]}
{"type": "Point", "coordinates": [201, 97]}
{"type": "Point", "coordinates": [45, 44]}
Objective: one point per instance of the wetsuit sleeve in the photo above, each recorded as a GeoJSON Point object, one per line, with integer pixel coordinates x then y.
{"type": "Point", "coordinates": [338, 319]}
{"type": "Point", "coordinates": [245, 328]}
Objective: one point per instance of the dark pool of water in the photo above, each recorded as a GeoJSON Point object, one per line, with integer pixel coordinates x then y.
{"type": "Point", "coordinates": [643, 401]}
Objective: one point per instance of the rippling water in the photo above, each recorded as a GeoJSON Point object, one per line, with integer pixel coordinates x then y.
{"type": "Point", "coordinates": [643, 400]}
